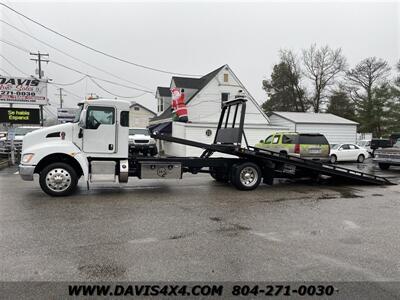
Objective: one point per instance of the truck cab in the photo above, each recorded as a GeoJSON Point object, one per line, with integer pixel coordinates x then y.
{"type": "Point", "coordinates": [94, 146]}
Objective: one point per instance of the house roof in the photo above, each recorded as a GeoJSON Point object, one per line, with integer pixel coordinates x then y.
{"type": "Point", "coordinates": [201, 83]}
{"type": "Point", "coordinates": [164, 91]}
{"type": "Point", "coordinates": [133, 103]}
{"type": "Point", "coordinates": [187, 82]}
{"type": "Point", "coordinates": [313, 118]}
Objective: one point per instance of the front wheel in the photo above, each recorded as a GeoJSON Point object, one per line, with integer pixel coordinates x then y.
{"type": "Point", "coordinates": [246, 176]}
{"type": "Point", "coordinates": [333, 159]}
{"type": "Point", "coordinates": [58, 179]}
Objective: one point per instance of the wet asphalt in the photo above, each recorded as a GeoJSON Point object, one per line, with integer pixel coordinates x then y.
{"type": "Point", "coordinates": [200, 230]}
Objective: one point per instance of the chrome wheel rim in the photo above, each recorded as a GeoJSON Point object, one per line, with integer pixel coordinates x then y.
{"type": "Point", "coordinates": [248, 176]}
{"type": "Point", "coordinates": [58, 180]}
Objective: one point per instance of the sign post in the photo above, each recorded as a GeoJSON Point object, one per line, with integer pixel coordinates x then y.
{"type": "Point", "coordinates": [11, 137]}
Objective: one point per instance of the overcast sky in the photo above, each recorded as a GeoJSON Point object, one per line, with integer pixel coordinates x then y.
{"type": "Point", "coordinates": [191, 38]}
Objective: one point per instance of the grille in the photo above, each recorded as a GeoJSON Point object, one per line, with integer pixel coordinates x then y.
{"type": "Point", "coordinates": [141, 141]}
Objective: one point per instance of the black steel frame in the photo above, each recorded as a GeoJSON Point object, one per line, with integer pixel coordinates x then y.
{"type": "Point", "coordinates": [272, 163]}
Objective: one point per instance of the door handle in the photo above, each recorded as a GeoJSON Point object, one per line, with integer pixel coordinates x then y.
{"type": "Point", "coordinates": [110, 147]}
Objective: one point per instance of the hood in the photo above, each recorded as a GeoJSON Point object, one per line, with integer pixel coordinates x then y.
{"type": "Point", "coordinates": [139, 137]}
{"type": "Point", "coordinates": [41, 135]}
{"type": "Point", "coordinates": [388, 150]}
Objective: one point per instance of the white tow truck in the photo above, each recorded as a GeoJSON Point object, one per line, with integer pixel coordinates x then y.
{"type": "Point", "coordinates": [95, 147]}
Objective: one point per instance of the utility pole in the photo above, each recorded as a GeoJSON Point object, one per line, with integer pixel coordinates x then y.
{"type": "Point", "coordinates": [38, 58]}
{"type": "Point", "coordinates": [60, 94]}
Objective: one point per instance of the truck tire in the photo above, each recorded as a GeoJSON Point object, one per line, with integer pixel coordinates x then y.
{"type": "Point", "coordinates": [383, 166]}
{"type": "Point", "coordinates": [58, 179]}
{"type": "Point", "coordinates": [246, 176]}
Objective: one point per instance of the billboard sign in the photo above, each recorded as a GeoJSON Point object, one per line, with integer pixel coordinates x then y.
{"type": "Point", "coordinates": [66, 115]}
{"type": "Point", "coordinates": [19, 90]}
{"type": "Point", "coordinates": [19, 115]}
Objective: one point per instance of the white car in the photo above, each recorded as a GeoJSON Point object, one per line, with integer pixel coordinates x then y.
{"type": "Point", "coordinates": [366, 144]}
{"type": "Point", "coordinates": [140, 141]}
{"type": "Point", "coordinates": [348, 152]}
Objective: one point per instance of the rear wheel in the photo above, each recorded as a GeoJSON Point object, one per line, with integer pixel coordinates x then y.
{"type": "Point", "coordinates": [333, 159]}
{"type": "Point", "coordinates": [58, 179]}
{"type": "Point", "coordinates": [361, 158]}
{"type": "Point", "coordinates": [383, 166]}
{"type": "Point", "coordinates": [246, 176]}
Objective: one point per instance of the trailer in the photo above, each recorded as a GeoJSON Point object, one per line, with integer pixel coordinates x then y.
{"type": "Point", "coordinates": [95, 147]}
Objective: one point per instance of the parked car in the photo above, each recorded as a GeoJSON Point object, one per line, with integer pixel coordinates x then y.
{"type": "Point", "coordinates": [366, 144]}
{"type": "Point", "coordinates": [20, 132]}
{"type": "Point", "coordinates": [380, 143]}
{"type": "Point", "coordinates": [387, 157]}
{"type": "Point", "coordinates": [313, 146]}
{"type": "Point", "coordinates": [140, 141]}
{"type": "Point", "coordinates": [348, 152]}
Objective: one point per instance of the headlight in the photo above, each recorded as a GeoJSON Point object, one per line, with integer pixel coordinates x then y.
{"type": "Point", "coordinates": [152, 141]}
{"type": "Point", "coordinates": [27, 158]}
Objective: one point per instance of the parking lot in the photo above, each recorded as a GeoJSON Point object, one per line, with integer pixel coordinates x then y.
{"type": "Point", "coordinates": [198, 229]}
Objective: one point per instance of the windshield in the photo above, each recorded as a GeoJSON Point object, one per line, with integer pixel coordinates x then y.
{"type": "Point", "coordinates": [24, 130]}
{"type": "Point", "coordinates": [334, 147]}
{"type": "Point", "coordinates": [78, 113]}
{"type": "Point", "coordinates": [139, 131]}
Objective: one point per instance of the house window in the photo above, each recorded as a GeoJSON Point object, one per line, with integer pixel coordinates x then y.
{"type": "Point", "coordinates": [224, 97]}
{"type": "Point", "coordinates": [226, 77]}
{"type": "Point", "coordinates": [136, 108]}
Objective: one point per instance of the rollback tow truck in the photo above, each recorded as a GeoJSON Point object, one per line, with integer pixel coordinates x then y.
{"type": "Point", "coordinates": [95, 148]}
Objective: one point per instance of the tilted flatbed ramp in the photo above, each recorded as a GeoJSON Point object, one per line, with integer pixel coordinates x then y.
{"type": "Point", "coordinates": [266, 156]}
{"type": "Point", "coordinates": [228, 139]}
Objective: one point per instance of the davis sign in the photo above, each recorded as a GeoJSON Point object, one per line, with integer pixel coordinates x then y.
{"type": "Point", "coordinates": [23, 90]}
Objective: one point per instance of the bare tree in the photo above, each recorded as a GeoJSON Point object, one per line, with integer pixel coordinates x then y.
{"type": "Point", "coordinates": [295, 75]}
{"type": "Point", "coordinates": [322, 65]}
{"type": "Point", "coordinates": [364, 76]}
{"type": "Point", "coordinates": [368, 86]}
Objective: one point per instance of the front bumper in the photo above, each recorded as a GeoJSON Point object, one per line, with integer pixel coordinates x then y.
{"type": "Point", "coordinates": [26, 172]}
{"type": "Point", "coordinates": [142, 146]}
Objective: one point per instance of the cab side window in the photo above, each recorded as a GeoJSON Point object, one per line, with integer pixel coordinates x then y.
{"type": "Point", "coordinates": [276, 139]}
{"type": "Point", "coordinates": [268, 140]}
{"type": "Point", "coordinates": [97, 115]}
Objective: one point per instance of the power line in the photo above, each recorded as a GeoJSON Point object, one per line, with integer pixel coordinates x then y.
{"type": "Point", "coordinates": [119, 96]}
{"type": "Point", "coordinates": [87, 75]}
{"type": "Point", "coordinates": [14, 45]}
{"type": "Point", "coordinates": [1, 69]}
{"type": "Point", "coordinates": [101, 79]}
{"type": "Point", "coordinates": [65, 53]}
{"type": "Point", "coordinates": [71, 83]}
{"type": "Point", "coordinates": [93, 49]}
{"type": "Point", "coordinates": [14, 66]}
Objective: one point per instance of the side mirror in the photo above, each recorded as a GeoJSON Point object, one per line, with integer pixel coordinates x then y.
{"type": "Point", "coordinates": [82, 119]}
{"type": "Point", "coordinates": [261, 141]}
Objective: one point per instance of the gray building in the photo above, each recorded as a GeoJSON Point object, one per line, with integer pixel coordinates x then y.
{"type": "Point", "coordinates": [336, 129]}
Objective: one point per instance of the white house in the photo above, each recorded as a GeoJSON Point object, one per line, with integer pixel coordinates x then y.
{"type": "Point", "coordinates": [336, 129]}
{"type": "Point", "coordinates": [204, 97]}
{"type": "Point", "coordinates": [139, 115]}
